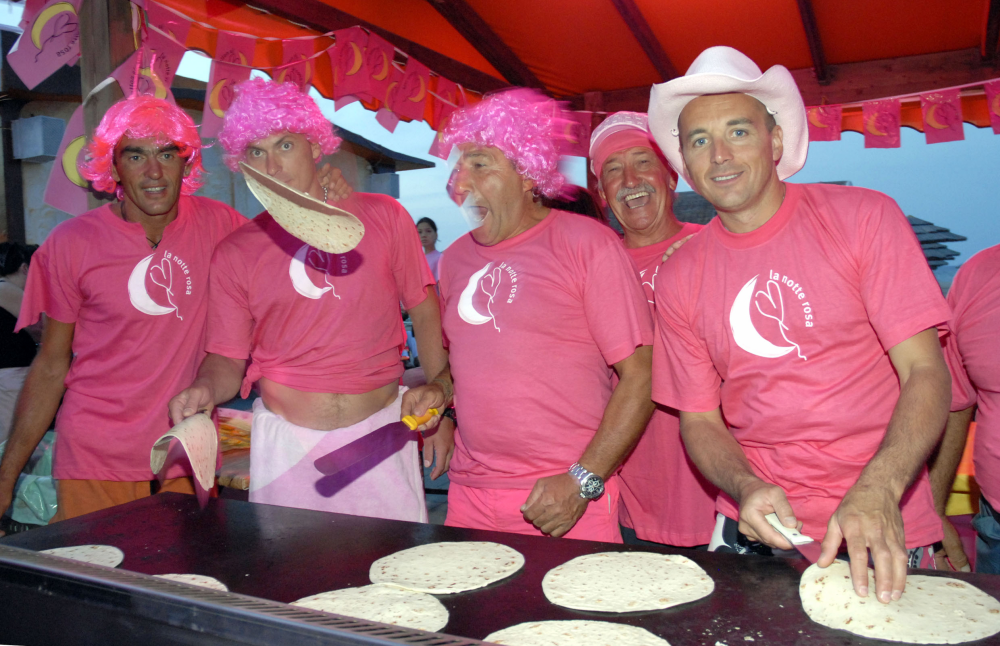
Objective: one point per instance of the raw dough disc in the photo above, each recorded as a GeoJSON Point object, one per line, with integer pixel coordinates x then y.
{"type": "Point", "coordinates": [575, 633]}
{"type": "Point", "coordinates": [933, 609]}
{"type": "Point", "coordinates": [444, 568]}
{"type": "Point", "coordinates": [196, 579]}
{"type": "Point", "coordinates": [626, 582]}
{"type": "Point", "coordinates": [94, 554]}
{"type": "Point", "coordinates": [386, 604]}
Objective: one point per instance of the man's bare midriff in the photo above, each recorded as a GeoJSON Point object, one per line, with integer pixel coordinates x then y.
{"type": "Point", "coordinates": [325, 411]}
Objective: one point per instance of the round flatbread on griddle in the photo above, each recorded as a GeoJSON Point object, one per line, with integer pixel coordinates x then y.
{"type": "Point", "coordinates": [932, 610]}
{"type": "Point", "coordinates": [382, 603]}
{"type": "Point", "coordinates": [105, 555]}
{"type": "Point", "coordinates": [626, 582]}
{"type": "Point", "coordinates": [445, 568]}
{"type": "Point", "coordinates": [200, 580]}
{"type": "Point", "coordinates": [575, 633]}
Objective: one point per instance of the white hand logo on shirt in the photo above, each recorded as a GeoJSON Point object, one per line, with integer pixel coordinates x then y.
{"type": "Point", "coordinates": [488, 282]}
{"type": "Point", "coordinates": [318, 260]}
{"type": "Point", "coordinates": [773, 307]}
{"type": "Point", "coordinates": [162, 276]}
{"type": "Point", "coordinates": [651, 282]}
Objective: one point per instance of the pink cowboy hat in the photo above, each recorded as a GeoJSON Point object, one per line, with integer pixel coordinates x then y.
{"type": "Point", "coordinates": [722, 70]}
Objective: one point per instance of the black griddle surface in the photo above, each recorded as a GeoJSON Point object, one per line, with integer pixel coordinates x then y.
{"type": "Point", "coordinates": [285, 554]}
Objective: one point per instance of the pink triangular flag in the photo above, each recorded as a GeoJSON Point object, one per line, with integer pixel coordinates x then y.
{"type": "Point", "coordinates": [942, 112]}
{"type": "Point", "coordinates": [881, 119]}
{"type": "Point", "coordinates": [387, 118]}
{"type": "Point", "coordinates": [51, 40]}
{"type": "Point", "coordinates": [66, 190]}
{"type": "Point", "coordinates": [452, 97]}
{"type": "Point", "coordinates": [296, 62]}
{"type": "Point", "coordinates": [411, 95]}
{"type": "Point", "coordinates": [233, 57]}
{"type": "Point", "coordinates": [439, 148]}
{"type": "Point", "coordinates": [574, 136]}
{"type": "Point", "coordinates": [347, 58]}
{"type": "Point", "coordinates": [824, 122]}
{"type": "Point", "coordinates": [168, 21]}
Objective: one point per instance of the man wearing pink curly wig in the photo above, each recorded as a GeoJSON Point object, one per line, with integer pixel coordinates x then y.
{"type": "Point", "coordinates": [124, 292]}
{"type": "Point", "coordinates": [320, 333]}
{"type": "Point", "coordinates": [541, 308]}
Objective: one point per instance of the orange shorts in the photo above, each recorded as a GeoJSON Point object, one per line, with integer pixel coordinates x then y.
{"type": "Point", "coordinates": [79, 497]}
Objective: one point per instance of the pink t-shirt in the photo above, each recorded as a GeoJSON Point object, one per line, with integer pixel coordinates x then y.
{"type": "Point", "coordinates": [138, 340]}
{"type": "Point", "coordinates": [534, 325]}
{"type": "Point", "coordinates": [666, 499]}
{"type": "Point", "coordinates": [315, 321]}
{"type": "Point", "coordinates": [973, 354]}
{"type": "Point", "coordinates": [432, 261]}
{"type": "Point", "coordinates": [788, 327]}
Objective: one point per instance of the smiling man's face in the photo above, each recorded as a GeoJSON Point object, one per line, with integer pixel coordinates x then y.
{"type": "Point", "coordinates": [639, 188]}
{"type": "Point", "coordinates": [150, 174]}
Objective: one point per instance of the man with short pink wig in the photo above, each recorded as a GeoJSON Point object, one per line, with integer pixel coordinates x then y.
{"type": "Point", "coordinates": [320, 333]}
{"type": "Point", "coordinates": [541, 309]}
{"type": "Point", "coordinates": [124, 291]}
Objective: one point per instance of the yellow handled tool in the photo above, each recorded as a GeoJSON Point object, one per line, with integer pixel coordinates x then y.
{"type": "Point", "coordinates": [413, 421]}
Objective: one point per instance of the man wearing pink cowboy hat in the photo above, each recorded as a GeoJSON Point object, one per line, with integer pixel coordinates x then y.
{"type": "Point", "coordinates": [807, 316]}
{"type": "Point", "coordinates": [540, 308]}
{"type": "Point", "coordinates": [664, 497]}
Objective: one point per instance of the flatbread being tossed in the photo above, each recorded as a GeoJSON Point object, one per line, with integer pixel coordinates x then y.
{"type": "Point", "coordinates": [626, 582]}
{"type": "Point", "coordinates": [933, 609]}
{"type": "Point", "coordinates": [105, 555]}
{"type": "Point", "coordinates": [200, 440]}
{"type": "Point", "coordinates": [444, 568]}
{"type": "Point", "coordinates": [575, 633]}
{"type": "Point", "coordinates": [310, 220]}
{"type": "Point", "coordinates": [196, 579]}
{"type": "Point", "coordinates": [382, 603]}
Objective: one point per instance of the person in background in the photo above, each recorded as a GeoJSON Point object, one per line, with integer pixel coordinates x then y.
{"type": "Point", "coordinates": [17, 349]}
{"type": "Point", "coordinates": [428, 232]}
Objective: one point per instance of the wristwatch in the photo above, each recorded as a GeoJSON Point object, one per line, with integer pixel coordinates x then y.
{"type": "Point", "coordinates": [591, 484]}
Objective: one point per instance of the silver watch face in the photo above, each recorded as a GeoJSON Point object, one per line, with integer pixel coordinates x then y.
{"type": "Point", "coordinates": [592, 487]}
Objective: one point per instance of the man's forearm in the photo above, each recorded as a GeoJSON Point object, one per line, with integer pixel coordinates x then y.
{"type": "Point", "coordinates": [916, 424]}
{"type": "Point", "coordinates": [426, 319]}
{"type": "Point", "coordinates": [222, 375]}
{"type": "Point", "coordinates": [36, 408]}
{"type": "Point", "coordinates": [944, 463]}
{"type": "Point", "coordinates": [624, 420]}
{"type": "Point", "coordinates": [716, 453]}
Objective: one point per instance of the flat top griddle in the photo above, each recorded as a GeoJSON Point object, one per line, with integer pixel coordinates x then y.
{"type": "Point", "coordinates": [284, 554]}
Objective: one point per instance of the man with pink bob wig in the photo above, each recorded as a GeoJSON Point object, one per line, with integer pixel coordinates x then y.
{"type": "Point", "coordinates": [319, 333]}
{"type": "Point", "coordinates": [124, 291]}
{"type": "Point", "coordinates": [541, 308]}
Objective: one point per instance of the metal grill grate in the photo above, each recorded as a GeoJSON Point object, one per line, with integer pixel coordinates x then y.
{"type": "Point", "coordinates": [154, 589]}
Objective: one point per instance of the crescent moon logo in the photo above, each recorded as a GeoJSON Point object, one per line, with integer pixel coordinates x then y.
{"type": "Point", "coordinates": [422, 93]}
{"type": "Point", "coordinates": [137, 293]}
{"type": "Point", "coordinates": [44, 17]}
{"type": "Point", "coordinates": [570, 131]}
{"type": "Point", "coordinates": [300, 279]}
{"type": "Point", "coordinates": [870, 126]}
{"type": "Point", "coordinates": [69, 158]}
{"type": "Point", "coordinates": [932, 119]}
{"type": "Point", "coordinates": [385, 68]}
{"type": "Point", "coordinates": [159, 89]}
{"type": "Point", "coordinates": [388, 91]}
{"type": "Point", "coordinates": [243, 59]}
{"type": "Point", "coordinates": [814, 119]}
{"type": "Point", "coordinates": [477, 281]}
{"type": "Point", "coordinates": [358, 60]}
{"type": "Point", "coordinates": [745, 334]}
{"type": "Point", "coordinates": [213, 98]}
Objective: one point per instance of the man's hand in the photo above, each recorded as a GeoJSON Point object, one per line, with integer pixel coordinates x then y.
{"type": "Point", "coordinates": [952, 556]}
{"type": "Point", "coordinates": [674, 247]}
{"type": "Point", "coordinates": [759, 499]}
{"type": "Point", "coordinates": [417, 401]}
{"type": "Point", "coordinates": [196, 399]}
{"type": "Point", "coordinates": [333, 181]}
{"type": "Point", "coordinates": [440, 445]}
{"type": "Point", "coordinates": [868, 518]}
{"type": "Point", "coordinates": [554, 504]}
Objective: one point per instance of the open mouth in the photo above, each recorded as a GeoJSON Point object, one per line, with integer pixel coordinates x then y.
{"type": "Point", "coordinates": [637, 200]}
{"type": "Point", "coordinates": [475, 213]}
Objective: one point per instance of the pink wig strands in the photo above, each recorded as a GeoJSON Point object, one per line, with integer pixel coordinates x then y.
{"type": "Point", "coordinates": [262, 108]}
{"type": "Point", "coordinates": [524, 125]}
{"type": "Point", "coordinates": [140, 117]}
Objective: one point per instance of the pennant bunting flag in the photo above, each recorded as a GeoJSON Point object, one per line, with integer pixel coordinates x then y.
{"type": "Point", "coordinates": [233, 53]}
{"type": "Point", "coordinates": [452, 97]}
{"type": "Point", "coordinates": [385, 115]}
{"type": "Point", "coordinates": [410, 97]}
{"type": "Point", "coordinates": [168, 22]}
{"type": "Point", "coordinates": [881, 120]}
{"type": "Point", "coordinates": [439, 148]}
{"type": "Point", "coordinates": [66, 190]}
{"type": "Point", "coordinates": [296, 64]}
{"type": "Point", "coordinates": [824, 122]}
{"type": "Point", "coordinates": [51, 39]}
{"type": "Point", "coordinates": [993, 104]}
{"type": "Point", "coordinates": [378, 59]}
{"type": "Point", "coordinates": [574, 140]}
{"type": "Point", "coordinates": [347, 58]}
{"type": "Point", "coordinates": [942, 112]}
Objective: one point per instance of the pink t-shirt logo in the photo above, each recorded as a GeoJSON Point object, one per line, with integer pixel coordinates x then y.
{"type": "Point", "coordinates": [776, 300]}
{"type": "Point", "coordinates": [320, 261]}
{"type": "Point", "coordinates": [649, 286]}
{"type": "Point", "coordinates": [488, 288]}
{"type": "Point", "coordinates": [170, 277]}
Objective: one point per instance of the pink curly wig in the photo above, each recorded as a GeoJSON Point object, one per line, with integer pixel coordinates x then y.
{"type": "Point", "coordinates": [137, 118]}
{"type": "Point", "coordinates": [262, 108]}
{"type": "Point", "coordinates": [522, 124]}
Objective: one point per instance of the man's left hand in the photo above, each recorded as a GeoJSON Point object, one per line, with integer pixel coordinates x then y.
{"type": "Point", "coordinates": [674, 247]}
{"type": "Point", "coordinates": [333, 180]}
{"type": "Point", "coordinates": [868, 518]}
{"type": "Point", "coordinates": [555, 504]}
{"type": "Point", "coordinates": [440, 445]}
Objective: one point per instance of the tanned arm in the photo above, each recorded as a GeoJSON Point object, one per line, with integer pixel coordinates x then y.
{"type": "Point", "coordinates": [219, 380]}
{"type": "Point", "coordinates": [942, 467]}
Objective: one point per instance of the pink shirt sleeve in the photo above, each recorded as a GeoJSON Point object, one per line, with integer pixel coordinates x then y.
{"type": "Point", "coordinates": [963, 393]}
{"type": "Point", "coordinates": [684, 376]}
{"type": "Point", "coordinates": [230, 324]}
{"type": "Point", "coordinates": [899, 291]}
{"type": "Point", "coordinates": [615, 305]}
{"type": "Point", "coordinates": [409, 265]}
{"type": "Point", "coordinates": [52, 285]}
